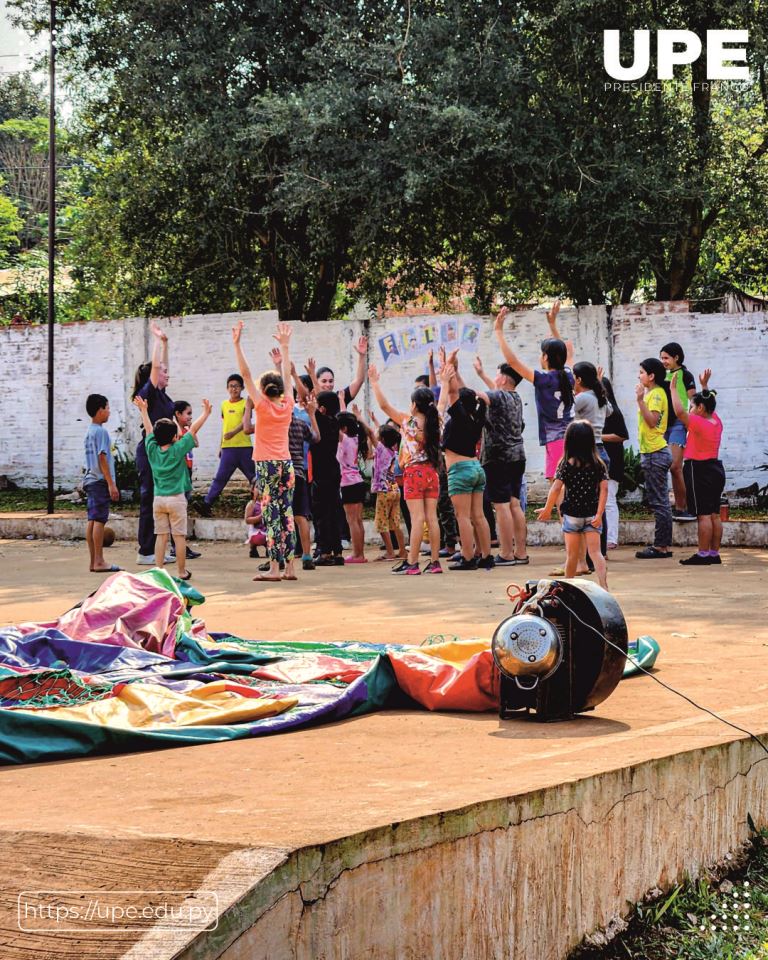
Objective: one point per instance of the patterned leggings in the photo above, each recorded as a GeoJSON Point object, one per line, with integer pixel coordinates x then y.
{"type": "Point", "coordinates": [276, 480]}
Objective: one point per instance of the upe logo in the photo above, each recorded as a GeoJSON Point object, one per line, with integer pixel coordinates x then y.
{"type": "Point", "coordinates": [688, 50]}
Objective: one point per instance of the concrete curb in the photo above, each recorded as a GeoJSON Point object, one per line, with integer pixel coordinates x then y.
{"type": "Point", "coordinates": [736, 533]}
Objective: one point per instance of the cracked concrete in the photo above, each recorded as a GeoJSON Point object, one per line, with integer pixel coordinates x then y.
{"type": "Point", "coordinates": [405, 834]}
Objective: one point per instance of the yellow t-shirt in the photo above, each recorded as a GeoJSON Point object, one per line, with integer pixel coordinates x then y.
{"type": "Point", "coordinates": [652, 438]}
{"type": "Point", "coordinates": [231, 417]}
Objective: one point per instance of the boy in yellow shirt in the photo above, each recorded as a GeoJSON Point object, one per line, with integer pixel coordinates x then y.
{"type": "Point", "coordinates": [236, 450]}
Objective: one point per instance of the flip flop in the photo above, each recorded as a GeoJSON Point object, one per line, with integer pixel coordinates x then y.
{"type": "Point", "coordinates": [284, 577]}
{"type": "Point", "coordinates": [264, 579]}
{"type": "Point", "coordinates": [111, 569]}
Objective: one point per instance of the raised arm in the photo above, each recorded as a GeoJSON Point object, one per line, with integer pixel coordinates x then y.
{"type": "Point", "coordinates": [480, 371]}
{"type": "Point", "coordinates": [311, 367]}
{"type": "Point", "coordinates": [704, 379]}
{"type": "Point", "coordinates": [141, 405]}
{"type": "Point", "coordinates": [248, 427]}
{"type": "Point", "coordinates": [361, 348]}
{"type": "Point", "coordinates": [397, 415]}
{"type": "Point", "coordinates": [242, 363]}
{"type": "Point", "coordinates": [206, 405]}
{"type": "Point", "coordinates": [432, 371]}
{"type": "Point", "coordinates": [310, 405]}
{"type": "Point", "coordinates": [449, 388]}
{"type": "Point", "coordinates": [552, 321]}
{"type": "Point", "coordinates": [509, 354]}
{"type": "Point", "coordinates": [283, 337]}
{"type": "Point", "coordinates": [159, 354]}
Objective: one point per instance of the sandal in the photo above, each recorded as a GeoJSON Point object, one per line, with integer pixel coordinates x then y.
{"type": "Point", "coordinates": [111, 569]}
{"type": "Point", "coordinates": [263, 578]}
{"type": "Point", "coordinates": [286, 577]}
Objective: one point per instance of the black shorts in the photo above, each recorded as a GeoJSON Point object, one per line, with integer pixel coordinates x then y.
{"type": "Point", "coordinates": [301, 498]}
{"type": "Point", "coordinates": [503, 480]}
{"type": "Point", "coordinates": [704, 485]}
{"type": "Point", "coordinates": [354, 493]}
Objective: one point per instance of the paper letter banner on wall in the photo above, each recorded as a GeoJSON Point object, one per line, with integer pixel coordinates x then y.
{"type": "Point", "coordinates": [419, 338]}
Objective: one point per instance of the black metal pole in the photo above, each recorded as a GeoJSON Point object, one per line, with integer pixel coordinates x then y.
{"type": "Point", "coordinates": [51, 235]}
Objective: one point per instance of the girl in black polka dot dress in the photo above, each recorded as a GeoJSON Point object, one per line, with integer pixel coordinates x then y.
{"type": "Point", "coordinates": [582, 473]}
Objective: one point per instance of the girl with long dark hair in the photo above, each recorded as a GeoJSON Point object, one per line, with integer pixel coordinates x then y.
{"type": "Point", "coordinates": [582, 477]}
{"type": "Point", "coordinates": [466, 478]}
{"type": "Point", "coordinates": [614, 434]}
{"type": "Point", "coordinates": [419, 458]}
{"type": "Point", "coordinates": [352, 449]}
{"type": "Point", "coordinates": [673, 357]}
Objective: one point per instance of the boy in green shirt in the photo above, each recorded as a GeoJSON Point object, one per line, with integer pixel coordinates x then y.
{"type": "Point", "coordinates": [167, 452]}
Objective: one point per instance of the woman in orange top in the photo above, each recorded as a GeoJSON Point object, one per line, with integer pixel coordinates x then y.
{"type": "Point", "coordinates": [274, 467]}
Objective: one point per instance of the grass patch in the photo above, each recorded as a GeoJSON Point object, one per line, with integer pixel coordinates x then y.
{"type": "Point", "coordinates": [706, 919]}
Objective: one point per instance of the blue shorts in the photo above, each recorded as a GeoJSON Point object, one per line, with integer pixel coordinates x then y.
{"type": "Point", "coordinates": [676, 434]}
{"type": "Point", "coordinates": [98, 501]}
{"type": "Point", "coordinates": [579, 525]}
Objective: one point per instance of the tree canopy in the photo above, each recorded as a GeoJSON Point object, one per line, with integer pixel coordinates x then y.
{"type": "Point", "coordinates": [242, 154]}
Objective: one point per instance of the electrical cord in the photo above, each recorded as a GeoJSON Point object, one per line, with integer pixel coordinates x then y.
{"type": "Point", "coordinates": [661, 682]}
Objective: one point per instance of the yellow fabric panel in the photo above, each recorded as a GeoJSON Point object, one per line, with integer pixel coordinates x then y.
{"type": "Point", "coordinates": [455, 651]}
{"type": "Point", "coordinates": [151, 706]}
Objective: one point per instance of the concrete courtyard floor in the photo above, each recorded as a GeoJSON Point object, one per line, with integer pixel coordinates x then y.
{"type": "Point", "coordinates": [169, 819]}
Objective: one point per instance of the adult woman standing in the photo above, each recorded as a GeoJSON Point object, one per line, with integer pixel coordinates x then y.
{"type": "Point", "coordinates": [150, 384]}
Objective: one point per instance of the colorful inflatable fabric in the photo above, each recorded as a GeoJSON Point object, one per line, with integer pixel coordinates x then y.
{"type": "Point", "coordinates": [130, 668]}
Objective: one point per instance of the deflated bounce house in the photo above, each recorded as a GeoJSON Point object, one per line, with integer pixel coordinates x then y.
{"type": "Point", "coordinates": [130, 668]}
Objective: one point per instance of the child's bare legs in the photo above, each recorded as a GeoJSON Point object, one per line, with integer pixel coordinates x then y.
{"type": "Point", "coordinates": [521, 529]}
{"type": "Point", "coordinates": [400, 537]}
{"type": "Point", "coordinates": [676, 472]}
{"type": "Point", "coordinates": [480, 525]}
{"type": "Point", "coordinates": [161, 544]}
{"type": "Point", "coordinates": [354, 512]}
{"type": "Point", "coordinates": [389, 553]}
{"type": "Point", "coordinates": [94, 535]}
{"type": "Point", "coordinates": [305, 542]}
{"type": "Point", "coordinates": [433, 525]}
{"type": "Point", "coordinates": [592, 538]}
{"type": "Point", "coordinates": [462, 506]}
{"type": "Point", "coordinates": [181, 555]}
{"type": "Point", "coordinates": [710, 532]}
{"type": "Point", "coordinates": [416, 508]}
{"type": "Point", "coordinates": [572, 547]}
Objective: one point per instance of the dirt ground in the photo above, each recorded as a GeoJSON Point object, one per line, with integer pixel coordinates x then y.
{"type": "Point", "coordinates": [166, 816]}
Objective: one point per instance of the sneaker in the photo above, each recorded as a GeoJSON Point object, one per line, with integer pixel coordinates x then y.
{"type": "Point", "coordinates": [253, 553]}
{"type": "Point", "coordinates": [486, 563]}
{"type": "Point", "coordinates": [407, 569]}
{"type": "Point", "coordinates": [426, 551]}
{"type": "Point", "coordinates": [521, 561]}
{"type": "Point", "coordinates": [264, 567]}
{"type": "Point", "coordinates": [321, 561]}
{"type": "Point", "coordinates": [445, 552]}
{"type": "Point", "coordinates": [307, 563]}
{"type": "Point", "coordinates": [145, 559]}
{"type": "Point", "coordinates": [504, 561]}
{"type": "Point", "coordinates": [697, 561]}
{"type": "Point", "coordinates": [193, 554]}
{"type": "Point", "coordinates": [456, 558]}
{"type": "Point", "coordinates": [682, 516]}
{"type": "Point", "coordinates": [399, 567]}
{"type": "Point", "coordinates": [433, 567]}
{"type": "Point", "coordinates": [463, 565]}
{"type": "Point", "coordinates": [169, 557]}
{"type": "Point", "coordinates": [653, 553]}
{"type": "Point", "coordinates": [338, 561]}
{"type": "Point", "coordinates": [714, 560]}
{"type": "Point", "coordinates": [201, 507]}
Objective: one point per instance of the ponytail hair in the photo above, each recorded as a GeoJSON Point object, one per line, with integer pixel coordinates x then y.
{"type": "Point", "coordinates": [707, 399]}
{"type": "Point", "coordinates": [474, 407]}
{"type": "Point", "coordinates": [424, 401]}
{"type": "Point", "coordinates": [587, 373]}
{"type": "Point", "coordinates": [656, 369]}
{"type": "Point", "coordinates": [350, 423]}
{"type": "Point", "coordinates": [271, 385]}
{"type": "Point", "coordinates": [556, 353]}
{"type": "Point", "coordinates": [142, 375]}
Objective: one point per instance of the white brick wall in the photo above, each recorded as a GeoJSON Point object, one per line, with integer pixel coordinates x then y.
{"type": "Point", "coordinates": [102, 358]}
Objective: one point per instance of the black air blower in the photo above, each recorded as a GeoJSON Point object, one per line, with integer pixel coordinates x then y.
{"type": "Point", "coordinates": [552, 652]}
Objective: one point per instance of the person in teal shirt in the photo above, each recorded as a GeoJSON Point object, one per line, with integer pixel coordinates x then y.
{"type": "Point", "coordinates": [167, 453]}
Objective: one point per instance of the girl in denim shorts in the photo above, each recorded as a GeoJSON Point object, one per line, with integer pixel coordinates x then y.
{"type": "Point", "coordinates": [581, 474]}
